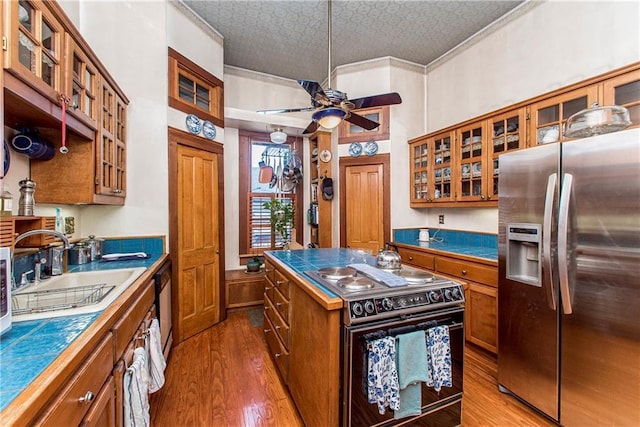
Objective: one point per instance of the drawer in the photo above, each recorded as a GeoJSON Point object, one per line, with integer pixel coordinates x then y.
{"type": "Point", "coordinates": [269, 270]}
{"type": "Point", "coordinates": [269, 288]}
{"type": "Point", "coordinates": [282, 283]}
{"type": "Point", "coordinates": [279, 325]}
{"type": "Point", "coordinates": [68, 409]}
{"type": "Point", "coordinates": [417, 258]}
{"type": "Point", "coordinates": [125, 328]}
{"type": "Point", "coordinates": [468, 271]}
{"type": "Point", "coordinates": [282, 305]}
{"type": "Point", "coordinates": [277, 350]}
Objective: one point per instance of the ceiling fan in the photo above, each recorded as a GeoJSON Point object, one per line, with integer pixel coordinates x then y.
{"type": "Point", "coordinates": [331, 106]}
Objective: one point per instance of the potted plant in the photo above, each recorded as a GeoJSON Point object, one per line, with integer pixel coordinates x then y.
{"type": "Point", "coordinates": [281, 218]}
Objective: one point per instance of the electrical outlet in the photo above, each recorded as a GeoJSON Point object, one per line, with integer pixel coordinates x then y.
{"type": "Point", "coordinates": [441, 219]}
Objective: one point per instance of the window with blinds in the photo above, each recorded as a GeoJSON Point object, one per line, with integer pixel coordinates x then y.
{"type": "Point", "coordinates": [260, 235]}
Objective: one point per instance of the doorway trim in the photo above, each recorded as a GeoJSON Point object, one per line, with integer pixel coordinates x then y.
{"type": "Point", "coordinates": [379, 159]}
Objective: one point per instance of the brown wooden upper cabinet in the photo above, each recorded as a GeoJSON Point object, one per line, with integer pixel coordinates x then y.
{"type": "Point", "coordinates": [549, 117]}
{"type": "Point", "coordinates": [624, 90]}
{"type": "Point", "coordinates": [35, 45]}
{"type": "Point", "coordinates": [348, 132]}
{"type": "Point", "coordinates": [459, 166]}
{"type": "Point", "coordinates": [46, 60]}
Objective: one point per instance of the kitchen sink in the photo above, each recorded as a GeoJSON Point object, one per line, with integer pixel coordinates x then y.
{"type": "Point", "coordinates": [71, 293]}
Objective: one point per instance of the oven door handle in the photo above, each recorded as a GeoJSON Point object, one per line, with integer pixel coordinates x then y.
{"type": "Point", "coordinates": [423, 327]}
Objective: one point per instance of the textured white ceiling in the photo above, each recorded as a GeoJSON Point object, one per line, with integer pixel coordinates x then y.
{"type": "Point", "coordinates": [289, 38]}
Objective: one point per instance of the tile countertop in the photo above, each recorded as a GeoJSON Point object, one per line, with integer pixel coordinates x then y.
{"type": "Point", "coordinates": [30, 346]}
{"type": "Point", "coordinates": [302, 260]}
{"type": "Point", "coordinates": [479, 245]}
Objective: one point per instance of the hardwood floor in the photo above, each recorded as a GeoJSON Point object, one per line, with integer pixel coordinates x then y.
{"type": "Point", "coordinates": [225, 377]}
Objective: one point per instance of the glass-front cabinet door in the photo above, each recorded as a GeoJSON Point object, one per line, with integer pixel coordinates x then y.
{"type": "Point", "coordinates": [82, 84]}
{"type": "Point", "coordinates": [548, 117]}
{"type": "Point", "coordinates": [441, 165]}
{"type": "Point", "coordinates": [35, 45]}
{"type": "Point", "coordinates": [470, 141]}
{"type": "Point", "coordinates": [624, 90]}
{"type": "Point", "coordinates": [419, 171]}
{"type": "Point", "coordinates": [507, 132]}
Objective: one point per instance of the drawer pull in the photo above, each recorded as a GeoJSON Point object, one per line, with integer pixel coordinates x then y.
{"type": "Point", "coordinates": [266, 331]}
{"type": "Point", "coordinates": [278, 304]}
{"type": "Point", "coordinates": [410, 258]}
{"type": "Point", "coordinates": [464, 272]}
{"type": "Point", "coordinates": [278, 354]}
{"type": "Point", "coordinates": [279, 282]}
{"type": "Point", "coordinates": [277, 328]}
{"type": "Point", "coordinates": [268, 288]}
{"type": "Point", "coordinates": [87, 398]}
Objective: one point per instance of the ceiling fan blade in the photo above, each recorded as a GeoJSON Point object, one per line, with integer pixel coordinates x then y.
{"type": "Point", "coordinates": [314, 89]}
{"type": "Point", "coordinates": [377, 100]}
{"type": "Point", "coordinates": [361, 121]}
{"type": "Point", "coordinates": [313, 126]}
{"type": "Point", "coordinates": [285, 110]}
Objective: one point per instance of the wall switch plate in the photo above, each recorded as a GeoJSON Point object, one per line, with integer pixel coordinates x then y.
{"type": "Point", "coordinates": [441, 219]}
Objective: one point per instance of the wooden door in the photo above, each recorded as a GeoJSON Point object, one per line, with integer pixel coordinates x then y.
{"type": "Point", "coordinates": [198, 241]}
{"type": "Point", "coordinates": [364, 188]}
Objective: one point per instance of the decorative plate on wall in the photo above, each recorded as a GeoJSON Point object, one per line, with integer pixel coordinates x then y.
{"type": "Point", "coordinates": [355, 149]}
{"type": "Point", "coordinates": [194, 125]}
{"type": "Point", "coordinates": [208, 129]}
{"type": "Point", "coordinates": [371, 148]}
{"type": "Point", "coordinates": [325, 156]}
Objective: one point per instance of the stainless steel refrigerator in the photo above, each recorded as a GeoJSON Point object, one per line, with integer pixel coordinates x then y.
{"type": "Point", "coordinates": [569, 279]}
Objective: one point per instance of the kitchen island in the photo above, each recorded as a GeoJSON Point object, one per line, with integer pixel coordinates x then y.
{"type": "Point", "coordinates": [317, 331]}
{"type": "Point", "coordinates": [302, 327]}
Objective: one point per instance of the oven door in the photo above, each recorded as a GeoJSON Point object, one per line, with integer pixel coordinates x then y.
{"type": "Point", "coordinates": [442, 409]}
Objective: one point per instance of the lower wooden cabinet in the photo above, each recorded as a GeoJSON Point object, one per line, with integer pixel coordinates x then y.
{"type": "Point", "coordinates": [79, 395]}
{"type": "Point", "coordinates": [103, 411]}
{"type": "Point", "coordinates": [276, 315]}
{"type": "Point", "coordinates": [480, 282]}
{"type": "Point", "coordinates": [481, 315]}
{"type": "Point", "coordinates": [304, 340]}
{"type": "Point", "coordinates": [243, 289]}
{"type": "Point", "coordinates": [93, 393]}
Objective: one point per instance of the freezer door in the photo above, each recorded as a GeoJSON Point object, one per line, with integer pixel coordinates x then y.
{"type": "Point", "coordinates": [527, 319]}
{"type": "Point", "coordinates": [600, 378]}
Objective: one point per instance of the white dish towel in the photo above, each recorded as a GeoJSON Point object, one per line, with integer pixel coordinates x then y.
{"type": "Point", "coordinates": [136, 391]}
{"type": "Point", "coordinates": [157, 364]}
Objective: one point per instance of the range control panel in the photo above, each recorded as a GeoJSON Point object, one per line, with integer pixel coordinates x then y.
{"type": "Point", "coordinates": [373, 308]}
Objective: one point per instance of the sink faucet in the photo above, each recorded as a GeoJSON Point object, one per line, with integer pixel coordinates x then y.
{"type": "Point", "coordinates": [24, 235]}
{"type": "Point", "coordinates": [43, 231]}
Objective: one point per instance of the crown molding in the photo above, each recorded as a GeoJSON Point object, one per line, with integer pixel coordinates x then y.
{"type": "Point", "coordinates": [197, 20]}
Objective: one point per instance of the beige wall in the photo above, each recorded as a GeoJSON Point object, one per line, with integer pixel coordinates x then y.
{"type": "Point", "coordinates": [529, 53]}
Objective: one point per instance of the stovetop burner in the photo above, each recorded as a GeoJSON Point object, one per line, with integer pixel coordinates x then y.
{"type": "Point", "coordinates": [336, 273]}
{"type": "Point", "coordinates": [355, 283]}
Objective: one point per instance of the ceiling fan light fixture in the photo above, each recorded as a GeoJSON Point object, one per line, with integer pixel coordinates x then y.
{"type": "Point", "coordinates": [329, 118]}
{"type": "Point", "coordinates": [278, 137]}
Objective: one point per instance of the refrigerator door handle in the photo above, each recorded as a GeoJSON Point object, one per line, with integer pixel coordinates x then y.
{"type": "Point", "coordinates": [563, 237]}
{"type": "Point", "coordinates": [548, 282]}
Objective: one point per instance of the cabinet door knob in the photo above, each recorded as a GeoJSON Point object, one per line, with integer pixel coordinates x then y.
{"type": "Point", "coordinates": [482, 197]}
{"type": "Point", "coordinates": [488, 196]}
{"type": "Point", "coordinates": [87, 398]}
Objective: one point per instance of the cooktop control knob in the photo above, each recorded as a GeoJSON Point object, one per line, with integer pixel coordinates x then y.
{"type": "Point", "coordinates": [434, 296]}
{"type": "Point", "coordinates": [448, 296]}
{"type": "Point", "coordinates": [356, 308]}
{"type": "Point", "coordinates": [369, 307]}
{"type": "Point", "coordinates": [387, 304]}
{"type": "Point", "coordinates": [456, 294]}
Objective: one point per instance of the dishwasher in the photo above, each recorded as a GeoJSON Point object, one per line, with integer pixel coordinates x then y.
{"type": "Point", "coordinates": [163, 305]}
